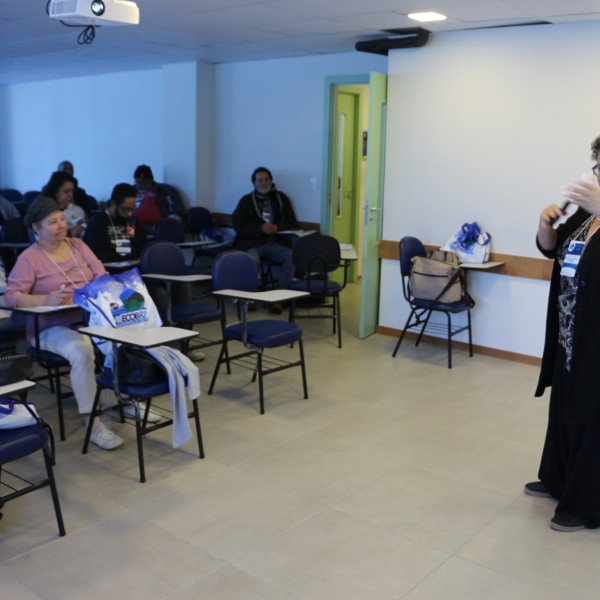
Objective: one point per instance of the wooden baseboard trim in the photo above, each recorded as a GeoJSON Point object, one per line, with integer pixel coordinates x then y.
{"type": "Point", "coordinates": [463, 346]}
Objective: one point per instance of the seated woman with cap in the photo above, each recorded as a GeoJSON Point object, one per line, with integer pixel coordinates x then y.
{"type": "Point", "coordinates": [46, 274]}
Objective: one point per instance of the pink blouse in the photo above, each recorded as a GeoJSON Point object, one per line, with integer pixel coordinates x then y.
{"type": "Point", "coordinates": [36, 273]}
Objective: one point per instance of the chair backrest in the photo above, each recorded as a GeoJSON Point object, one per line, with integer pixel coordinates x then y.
{"type": "Point", "coordinates": [234, 270]}
{"type": "Point", "coordinates": [29, 197]}
{"type": "Point", "coordinates": [14, 231]}
{"type": "Point", "coordinates": [316, 253]}
{"type": "Point", "coordinates": [161, 256]}
{"type": "Point", "coordinates": [170, 230]}
{"type": "Point", "coordinates": [409, 247]}
{"type": "Point", "coordinates": [12, 195]}
{"type": "Point", "coordinates": [199, 218]}
{"type": "Point", "coordinates": [93, 204]}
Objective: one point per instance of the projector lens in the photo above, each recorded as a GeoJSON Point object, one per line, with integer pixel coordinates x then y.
{"type": "Point", "coordinates": [98, 7]}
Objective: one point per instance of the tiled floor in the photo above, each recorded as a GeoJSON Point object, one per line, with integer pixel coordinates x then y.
{"type": "Point", "coordinates": [398, 478]}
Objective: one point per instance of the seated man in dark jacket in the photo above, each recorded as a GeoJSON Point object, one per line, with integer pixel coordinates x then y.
{"type": "Point", "coordinates": [115, 234]}
{"type": "Point", "coordinates": [258, 218]}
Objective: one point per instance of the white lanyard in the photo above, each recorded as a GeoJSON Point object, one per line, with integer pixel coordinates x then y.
{"type": "Point", "coordinates": [61, 270]}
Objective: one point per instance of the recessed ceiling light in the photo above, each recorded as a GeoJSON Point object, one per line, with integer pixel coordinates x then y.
{"type": "Point", "coordinates": [427, 17]}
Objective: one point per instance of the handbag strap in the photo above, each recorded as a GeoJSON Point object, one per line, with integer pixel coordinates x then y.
{"type": "Point", "coordinates": [465, 295]}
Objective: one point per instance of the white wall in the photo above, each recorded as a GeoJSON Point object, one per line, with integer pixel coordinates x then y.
{"type": "Point", "coordinates": [271, 113]}
{"type": "Point", "coordinates": [487, 125]}
{"type": "Point", "coordinates": [106, 125]}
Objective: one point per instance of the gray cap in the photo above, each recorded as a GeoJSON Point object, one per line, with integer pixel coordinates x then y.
{"type": "Point", "coordinates": [39, 209]}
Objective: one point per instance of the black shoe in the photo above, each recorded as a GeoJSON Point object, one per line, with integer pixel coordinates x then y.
{"type": "Point", "coordinates": [537, 488]}
{"type": "Point", "coordinates": [276, 308]}
{"type": "Point", "coordinates": [567, 521]}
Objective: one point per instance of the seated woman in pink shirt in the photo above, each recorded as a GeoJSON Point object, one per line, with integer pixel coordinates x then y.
{"type": "Point", "coordinates": [46, 274]}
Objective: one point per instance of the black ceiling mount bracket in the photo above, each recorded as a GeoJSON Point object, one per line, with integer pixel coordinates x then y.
{"type": "Point", "coordinates": [411, 37]}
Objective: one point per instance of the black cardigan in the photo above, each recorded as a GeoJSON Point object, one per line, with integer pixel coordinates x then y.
{"type": "Point", "coordinates": [583, 404]}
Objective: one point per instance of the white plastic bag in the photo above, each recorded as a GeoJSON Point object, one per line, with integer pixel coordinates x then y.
{"type": "Point", "coordinates": [14, 414]}
{"type": "Point", "coordinates": [471, 244]}
{"type": "Point", "coordinates": [120, 300]}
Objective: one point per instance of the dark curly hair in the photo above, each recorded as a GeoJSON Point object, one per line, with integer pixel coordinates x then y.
{"type": "Point", "coordinates": [596, 148]}
{"type": "Point", "coordinates": [56, 181]}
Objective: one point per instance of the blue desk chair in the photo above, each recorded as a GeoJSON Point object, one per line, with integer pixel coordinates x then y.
{"type": "Point", "coordinates": [236, 270]}
{"type": "Point", "coordinates": [200, 223]}
{"type": "Point", "coordinates": [166, 258]}
{"type": "Point", "coordinates": [19, 443]}
{"type": "Point", "coordinates": [134, 394]}
{"type": "Point", "coordinates": [316, 256]}
{"type": "Point", "coordinates": [12, 195]}
{"type": "Point", "coordinates": [421, 310]}
{"type": "Point", "coordinates": [170, 230]}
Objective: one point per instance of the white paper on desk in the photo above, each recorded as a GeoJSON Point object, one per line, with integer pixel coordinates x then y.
{"type": "Point", "coordinates": [346, 246]}
{"type": "Point", "coordinates": [298, 232]}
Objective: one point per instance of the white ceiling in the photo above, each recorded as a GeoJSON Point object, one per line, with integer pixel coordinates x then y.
{"type": "Point", "coordinates": [35, 47]}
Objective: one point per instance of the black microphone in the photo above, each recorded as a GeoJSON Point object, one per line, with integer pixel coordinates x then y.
{"type": "Point", "coordinates": [562, 209]}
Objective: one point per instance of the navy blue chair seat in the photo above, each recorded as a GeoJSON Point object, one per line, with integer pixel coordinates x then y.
{"type": "Point", "coordinates": [139, 393]}
{"type": "Point", "coordinates": [453, 307]}
{"type": "Point", "coordinates": [18, 443]}
{"type": "Point", "coordinates": [167, 258]}
{"type": "Point", "coordinates": [236, 270]}
{"type": "Point", "coordinates": [266, 333]}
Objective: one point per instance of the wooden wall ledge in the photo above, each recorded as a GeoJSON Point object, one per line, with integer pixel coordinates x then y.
{"type": "Point", "coordinates": [516, 266]}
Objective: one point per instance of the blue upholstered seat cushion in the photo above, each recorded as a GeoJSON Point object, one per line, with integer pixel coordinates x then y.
{"type": "Point", "coordinates": [266, 333]}
{"type": "Point", "coordinates": [149, 390]}
{"type": "Point", "coordinates": [16, 443]}
{"type": "Point", "coordinates": [453, 307]}
{"type": "Point", "coordinates": [316, 286]}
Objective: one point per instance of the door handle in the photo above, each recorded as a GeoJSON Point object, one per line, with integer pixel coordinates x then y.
{"type": "Point", "coordinates": [375, 209]}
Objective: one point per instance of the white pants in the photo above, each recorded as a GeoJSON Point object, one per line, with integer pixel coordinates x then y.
{"type": "Point", "coordinates": [78, 350]}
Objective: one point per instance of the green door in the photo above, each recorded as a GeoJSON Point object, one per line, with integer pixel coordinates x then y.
{"type": "Point", "coordinates": [373, 212]}
{"type": "Point", "coordinates": [343, 182]}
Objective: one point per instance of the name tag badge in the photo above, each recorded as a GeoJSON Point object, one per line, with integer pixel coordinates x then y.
{"type": "Point", "coordinates": [572, 258]}
{"type": "Point", "coordinates": [123, 247]}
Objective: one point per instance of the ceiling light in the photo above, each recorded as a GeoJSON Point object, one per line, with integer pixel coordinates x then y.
{"type": "Point", "coordinates": [427, 17]}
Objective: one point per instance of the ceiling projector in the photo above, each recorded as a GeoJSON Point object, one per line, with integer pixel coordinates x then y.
{"type": "Point", "coordinates": [95, 12]}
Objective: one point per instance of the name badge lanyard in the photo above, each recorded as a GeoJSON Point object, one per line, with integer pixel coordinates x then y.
{"type": "Point", "coordinates": [575, 250]}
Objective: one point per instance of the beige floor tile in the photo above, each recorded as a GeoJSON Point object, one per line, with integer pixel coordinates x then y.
{"type": "Point", "coordinates": [520, 544]}
{"type": "Point", "coordinates": [230, 583]}
{"type": "Point", "coordinates": [336, 556]}
{"type": "Point", "coordinates": [320, 470]}
{"type": "Point", "coordinates": [438, 511]}
{"type": "Point", "coordinates": [458, 579]}
{"type": "Point", "coordinates": [229, 513]}
{"type": "Point", "coordinates": [124, 556]}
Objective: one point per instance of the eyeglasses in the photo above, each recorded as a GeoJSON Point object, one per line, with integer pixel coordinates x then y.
{"type": "Point", "coordinates": [127, 210]}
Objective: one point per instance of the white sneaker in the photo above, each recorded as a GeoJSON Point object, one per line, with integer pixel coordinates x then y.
{"type": "Point", "coordinates": [129, 412]}
{"type": "Point", "coordinates": [104, 438]}
{"type": "Point", "coordinates": [196, 355]}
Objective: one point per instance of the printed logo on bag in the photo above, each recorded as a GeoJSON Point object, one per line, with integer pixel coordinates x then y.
{"type": "Point", "coordinates": [129, 308]}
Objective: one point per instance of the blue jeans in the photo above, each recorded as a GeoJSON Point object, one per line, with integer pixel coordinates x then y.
{"type": "Point", "coordinates": [280, 256]}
